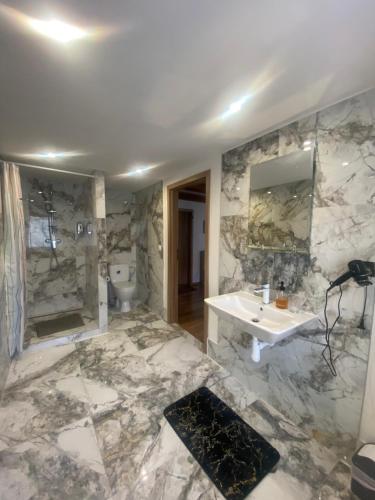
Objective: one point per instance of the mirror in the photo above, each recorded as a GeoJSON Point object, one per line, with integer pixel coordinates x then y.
{"type": "Point", "coordinates": [281, 197]}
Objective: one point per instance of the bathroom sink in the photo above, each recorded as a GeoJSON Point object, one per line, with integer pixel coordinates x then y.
{"type": "Point", "coordinates": [264, 321]}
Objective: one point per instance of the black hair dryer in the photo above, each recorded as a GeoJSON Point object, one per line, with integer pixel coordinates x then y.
{"type": "Point", "coordinates": [360, 270]}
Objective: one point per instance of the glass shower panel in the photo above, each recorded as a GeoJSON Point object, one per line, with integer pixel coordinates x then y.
{"type": "Point", "coordinates": [62, 284]}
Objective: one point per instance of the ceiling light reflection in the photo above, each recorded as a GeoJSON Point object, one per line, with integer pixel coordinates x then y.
{"type": "Point", "coordinates": [57, 30]}
{"type": "Point", "coordinates": [138, 171]}
{"type": "Point", "coordinates": [52, 155]}
{"type": "Point", "coordinates": [235, 107]}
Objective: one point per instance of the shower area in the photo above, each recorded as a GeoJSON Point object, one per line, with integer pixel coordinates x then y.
{"type": "Point", "coordinates": [63, 235]}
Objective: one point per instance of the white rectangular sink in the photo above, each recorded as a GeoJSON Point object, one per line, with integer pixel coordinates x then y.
{"type": "Point", "coordinates": [264, 321]}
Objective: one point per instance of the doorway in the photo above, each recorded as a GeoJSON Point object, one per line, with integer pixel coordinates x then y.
{"type": "Point", "coordinates": [188, 214]}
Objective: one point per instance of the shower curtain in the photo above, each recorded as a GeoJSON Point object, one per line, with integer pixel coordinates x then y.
{"type": "Point", "coordinates": [13, 256]}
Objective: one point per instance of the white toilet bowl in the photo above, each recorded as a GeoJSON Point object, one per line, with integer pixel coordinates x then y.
{"type": "Point", "coordinates": [123, 288]}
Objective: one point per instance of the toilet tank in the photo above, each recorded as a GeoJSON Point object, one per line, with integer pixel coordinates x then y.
{"type": "Point", "coordinates": [119, 272]}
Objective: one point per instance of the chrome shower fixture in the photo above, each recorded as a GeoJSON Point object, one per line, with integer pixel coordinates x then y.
{"type": "Point", "coordinates": [79, 229]}
{"type": "Point", "coordinates": [47, 195]}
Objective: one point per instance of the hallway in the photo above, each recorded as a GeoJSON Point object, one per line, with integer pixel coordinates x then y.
{"type": "Point", "coordinates": [191, 310]}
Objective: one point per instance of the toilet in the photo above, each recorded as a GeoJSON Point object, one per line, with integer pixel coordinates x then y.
{"type": "Point", "coordinates": [123, 288]}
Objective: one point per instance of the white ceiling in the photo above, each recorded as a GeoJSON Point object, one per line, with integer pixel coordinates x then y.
{"type": "Point", "coordinates": [151, 89]}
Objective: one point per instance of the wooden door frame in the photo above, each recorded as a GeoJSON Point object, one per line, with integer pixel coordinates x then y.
{"type": "Point", "coordinates": [172, 265]}
{"type": "Point", "coordinates": [191, 231]}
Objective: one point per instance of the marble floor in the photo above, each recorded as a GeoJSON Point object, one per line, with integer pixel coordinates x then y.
{"type": "Point", "coordinates": [85, 421]}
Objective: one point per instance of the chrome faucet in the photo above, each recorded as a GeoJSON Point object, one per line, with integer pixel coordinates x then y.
{"type": "Point", "coordinates": [265, 291]}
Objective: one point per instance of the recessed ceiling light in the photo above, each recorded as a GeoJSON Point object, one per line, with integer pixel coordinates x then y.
{"type": "Point", "coordinates": [269, 192]}
{"type": "Point", "coordinates": [307, 143]}
{"type": "Point", "coordinates": [52, 155]}
{"type": "Point", "coordinates": [345, 163]}
{"type": "Point", "coordinates": [294, 196]}
{"type": "Point", "coordinates": [139, 170]}
{"type": "Point", "coordinates": [235, 107]}
{"type": "Point", "coordinates": [57, 30]}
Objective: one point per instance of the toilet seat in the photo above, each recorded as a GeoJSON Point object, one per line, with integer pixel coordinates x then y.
{"type": "Point", "coordinates": [123, 284]}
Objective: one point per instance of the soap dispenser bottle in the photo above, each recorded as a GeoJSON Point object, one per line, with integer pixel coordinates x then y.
{"type": "Point", "coordinates": [281, 298]}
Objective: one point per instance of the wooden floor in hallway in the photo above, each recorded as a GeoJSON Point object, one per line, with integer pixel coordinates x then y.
{"type": "Point", "coordinates": [191, 310]}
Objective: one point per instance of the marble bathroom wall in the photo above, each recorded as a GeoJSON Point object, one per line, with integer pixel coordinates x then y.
{"type": "Point", "coordinates": [292, 375]}
{"type": "Point", "coordinates": [55, 288]}
{"type": "Point", "coordinates": [121, 228]}
{"type": "Point", "coordinates": [100, 262]}
{"type": "Point", "coordinates": [149, 246]}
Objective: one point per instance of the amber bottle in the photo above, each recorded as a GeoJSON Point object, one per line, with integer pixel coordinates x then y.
{"type": "Point", "coordinates": [281, 298]}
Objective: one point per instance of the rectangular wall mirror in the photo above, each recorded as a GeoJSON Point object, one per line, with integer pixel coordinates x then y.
{"type": "Point", "coordinates": [281, 197]}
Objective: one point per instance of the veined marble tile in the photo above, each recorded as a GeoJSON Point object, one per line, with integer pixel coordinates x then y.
{"type": "Point", "coordinates": [43, 401]}
{"type": "Point", "coordinates": [258, 266]}
{"type": "Point", "coordinates": [150, 334]}
{"type": "Point", "coordinates": [113, 371]}
{"type": "Point", "coordinates": [290, 268]}
{"type": "Point", "coordinates": [98, 186]}
{"type": "Point", "coordinates": [336, 230]}
{"type": "Point", "coordinates": [262, 149]}
{"type": "Point", "coordinates": [127, 434]}
{"type": "Point", "coordinates": [292, 136]}
{"type": "Point", "coordinates": [141, 313]}
{"type": "Point", "coordinates": [31, 365]}
{"type": "Point", "coordinates": [235, 185]}
{"type": "Point", "coordinates": [233, 245]}
{"type": "Point", "coordinates": [294, 446]}
{"type": "Point", "coordinates": [108, 345]}
{"type": "Point", "coordinates": [148, 217]}
{"type": "Point", "coordinates": [337, 484]}
{"type": "Point", "coordinates": [346, 171]}
{"type": "Point", "coordinates": [233, 393]}
{"type": "Point", "coordinates": [58, 465]}
{"type": "Point", "coordinates": [90, 330]}
{"type": "Point", "coordinates": [182, 367]}
{"type": "Point", "coordinates": [293, 377]}
{"type": "Point", "coordinates": [46, 305]}
{"type": "Point", "coordinates": [169, 472]}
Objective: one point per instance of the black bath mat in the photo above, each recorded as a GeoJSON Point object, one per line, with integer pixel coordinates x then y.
{"type": "Point", "coordinates": [233, 455]}
{"type": "Point", "coordinates": [67, 322]}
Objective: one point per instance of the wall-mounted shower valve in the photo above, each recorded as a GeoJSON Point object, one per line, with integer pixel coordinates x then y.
{"type": "Point", "coordinates": [79, 228]}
